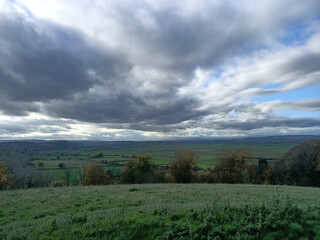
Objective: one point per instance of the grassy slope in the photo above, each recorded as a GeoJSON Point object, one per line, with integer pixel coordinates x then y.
{"type": "Point", "coordinates": [166, 211]}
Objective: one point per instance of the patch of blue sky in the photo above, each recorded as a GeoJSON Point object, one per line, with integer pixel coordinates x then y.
{"type": "Point", "coordinates": [297, 34]}
{"type": "Point", "coordinates": [24, 8]}
{"type": "Point", "coordinates": [270, 86]}
{"type": "Point", "coordinates": [295, 113]}
{"type": "Point", "coordinates": [218, 73]}
{"type": "Point", "coordinates": [312, 91]}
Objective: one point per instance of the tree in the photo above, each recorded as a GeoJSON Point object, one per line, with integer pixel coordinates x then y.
{"type": "Point", "coordinates": [94, 174]}
{"type": "Point", "coordinates": [40, 165]}
{"type": "Point", "coordinates": [67, 175]}
{"type": "Point", "coordinates": [300, 165]}
{"type": "Point", "coordinates": [5, 181]}
{"type": "Point", "coordinates": [182, 166]}
{"type": "Point", "coordinates": [128, 172]}
{"type": "Point", "coordinates": [23, 172]}
{"type": "Point", "coordinates": [141, 170]}
{"type": "Point", "coordinates": [233, 167]}
{"type": "Point", "coordinates": [61, 165]}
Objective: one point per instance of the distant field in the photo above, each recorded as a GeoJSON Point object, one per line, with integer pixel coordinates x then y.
{"type": "Point", "coordinates": [161, 211]}
{"type": "Point", "coordinates": [162, 153]}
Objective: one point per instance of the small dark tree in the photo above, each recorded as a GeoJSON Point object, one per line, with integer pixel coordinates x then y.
{"type": "Point", "coordinates": [67, 176]}
{"type": "Point", "coordinates": [139, 171]}
{"type": "Point", "coordinates": [128, 172]}
{"type": "Point", "coordinates": [262, 166]}
{"type": "Point", "coordinates": [40, 165]}
{"type": "Point", "coordinates": [182, 166]}
{"type": "Point", "coordinates": [61, 165]}
{"type": "Point", "coordinates": [264, 172]}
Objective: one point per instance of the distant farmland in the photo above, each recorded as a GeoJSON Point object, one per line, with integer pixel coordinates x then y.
{"type": "Point", "coordinates": [162, 153]}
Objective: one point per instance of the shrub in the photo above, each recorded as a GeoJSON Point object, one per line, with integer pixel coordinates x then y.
{"type": "Point", "coordinates": [59, 183]}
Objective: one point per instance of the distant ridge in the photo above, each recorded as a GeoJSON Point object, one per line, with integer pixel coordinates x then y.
{"type": "Point", "coordinates": [25, 140]}
{"type": "Point", "coordinates": [253, 140]}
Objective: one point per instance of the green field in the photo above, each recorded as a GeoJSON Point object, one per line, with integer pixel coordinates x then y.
{"type": "Point", "coordinates": [161, 211]}
{"type": "Point", "coordinates": [162, 153]}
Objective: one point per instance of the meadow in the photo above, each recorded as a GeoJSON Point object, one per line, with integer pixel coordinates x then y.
{"type": "Point", "coordinates": [161, 211]}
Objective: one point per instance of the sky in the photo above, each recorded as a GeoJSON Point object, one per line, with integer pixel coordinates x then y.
{"type": "Point", "coordinates": [156, 70]}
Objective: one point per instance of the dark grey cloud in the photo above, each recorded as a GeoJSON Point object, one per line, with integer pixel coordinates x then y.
{"type": "Point", "coordinates": [127, 108]}
{"type": "Point", "coordinates": [45, 61]}
{"type": "Point", "coordinates": [29, 126]}
{"type": "Point", "coordinates": [268, 122]}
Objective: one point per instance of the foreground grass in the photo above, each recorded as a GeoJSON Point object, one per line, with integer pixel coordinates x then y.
{"type": "Point", "coordinates": [161, 211]}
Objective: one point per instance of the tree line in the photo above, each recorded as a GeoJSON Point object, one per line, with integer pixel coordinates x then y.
{"type": "Point", "coordinates": [300, 166]}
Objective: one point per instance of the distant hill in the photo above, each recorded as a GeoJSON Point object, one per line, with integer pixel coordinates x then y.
{"type": "Point", "coordinates": [255, 140]}
{"type": "Point", "coordinates": [33, 145]}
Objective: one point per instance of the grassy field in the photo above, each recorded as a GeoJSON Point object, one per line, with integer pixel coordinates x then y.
{"type": "Point", "coordinates": [162, 153]}
{"type": "Point", "coordinates": [161, 211]}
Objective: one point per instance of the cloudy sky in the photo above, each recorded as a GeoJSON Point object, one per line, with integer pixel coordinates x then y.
{"type": "Point", "coordinates": [150, 70]}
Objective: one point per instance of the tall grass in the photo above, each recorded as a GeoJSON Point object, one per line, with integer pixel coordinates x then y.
{"type": "Point", "coordinates": [163, 211]}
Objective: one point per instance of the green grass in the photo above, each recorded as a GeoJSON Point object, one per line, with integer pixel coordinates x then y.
{"type": "Point", "coordinates": [161, 211]}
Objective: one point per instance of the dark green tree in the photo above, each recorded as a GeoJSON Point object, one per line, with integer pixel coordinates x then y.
{"type": "Point", "coordinates": [182, 166]}
{"type": "Point", "coordinates": [141, 170]}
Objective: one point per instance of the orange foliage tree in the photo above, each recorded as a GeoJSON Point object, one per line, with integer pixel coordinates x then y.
{"type": "Point", "coordinates": [233, 167]}
{"type": "Point", "coordinates": [182, 166]}
{"type": "Point", "coordinates": [5, 181]}
{"type": "Point", "coordinates": [94, 174]}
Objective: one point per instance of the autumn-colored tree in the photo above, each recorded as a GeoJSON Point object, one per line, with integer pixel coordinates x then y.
{"type": "Point", "coordinates": [233, 167]}
{"type": "Point", "coordinates": [5, 181]}
{"type": "Point", "coordinates": [182, 166]}
{"type": "Point", "coordinates": [141, 170]}
{"type": "Point", "coordinates": [94, 174]}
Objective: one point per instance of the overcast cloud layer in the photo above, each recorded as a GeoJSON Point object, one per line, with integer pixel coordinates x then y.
{"type": "Point", "coordinates": [140, 70]}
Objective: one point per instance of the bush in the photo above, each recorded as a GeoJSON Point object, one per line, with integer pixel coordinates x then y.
{"type": "Point", "coordinates": [59, 183]}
